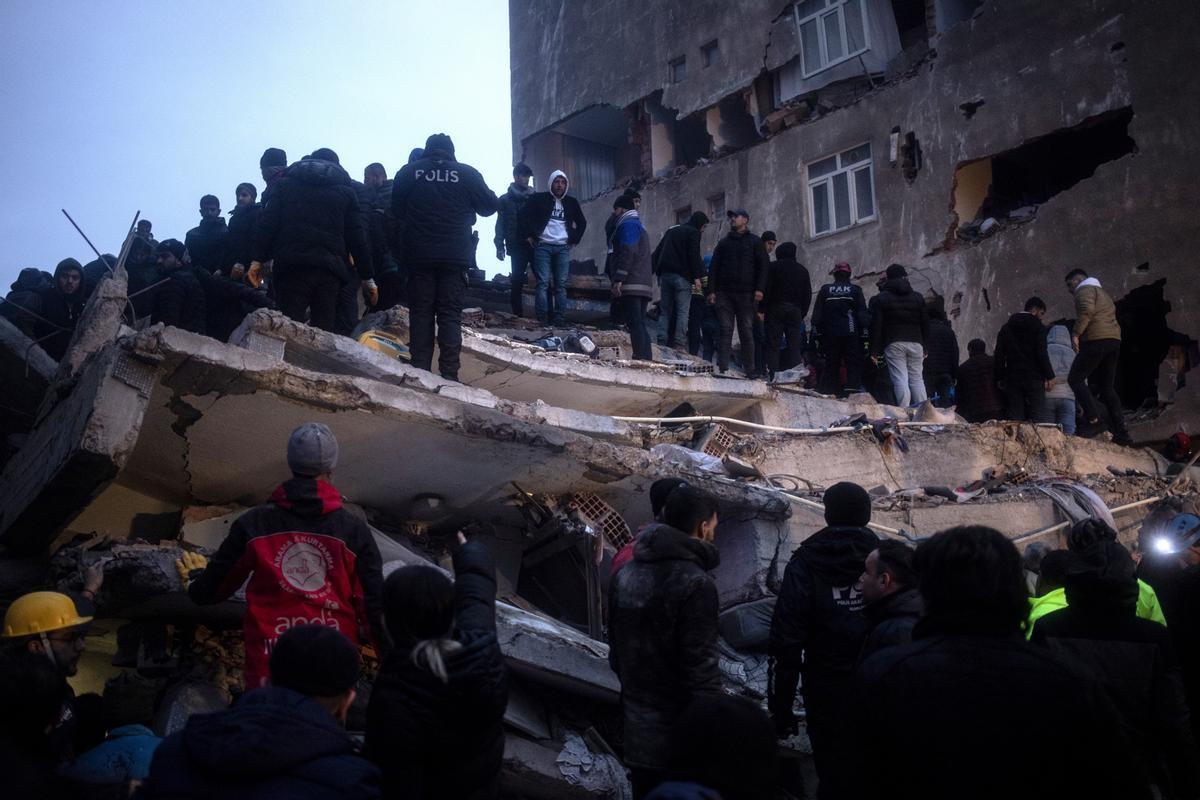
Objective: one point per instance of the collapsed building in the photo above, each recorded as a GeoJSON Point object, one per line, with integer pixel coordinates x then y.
{"type": "Point", "coordinates": [988, 146]}
{"type": "Point", "coordinates": [142, 443]}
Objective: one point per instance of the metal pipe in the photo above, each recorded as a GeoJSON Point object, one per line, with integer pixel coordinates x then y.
{"type": "Point", "coordinates": [1062, 525]}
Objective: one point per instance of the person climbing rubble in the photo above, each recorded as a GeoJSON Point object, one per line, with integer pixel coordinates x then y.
{"type": "Point", "coordinates": [308, 559]}
{"type": "Point", "coordinates": [281, 740]}
{"type": "Point", "coordinates": [818, 628]}
{"type": "Point", "coordinates": [1022, 366]}
{"type": "Point", "coordinates": [660, 670]}
{"type": "Point", "coordinates": [1097, 339]}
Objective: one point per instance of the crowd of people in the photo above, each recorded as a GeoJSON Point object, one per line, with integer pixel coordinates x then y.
{"type": "Point", "coordinates": [927, 672]}
{"type": "Point", "coordinates": [317, 239]}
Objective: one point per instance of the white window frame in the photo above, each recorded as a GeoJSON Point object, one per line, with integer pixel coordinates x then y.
{"type": "Point", "coordinates": [850, 170]}
{"type": "Point", "coordinates": [832, 7]}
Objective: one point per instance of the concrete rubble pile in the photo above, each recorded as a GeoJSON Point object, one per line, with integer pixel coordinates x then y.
{"type": "Point", "coordinates": [144, 443]}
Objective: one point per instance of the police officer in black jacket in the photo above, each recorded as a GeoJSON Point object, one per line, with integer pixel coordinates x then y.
{"type": "Point", "coordinates": [311, 225]}
{"type": "Point", "coordinates": [839, 319]}
{"type": "Point", "coordinates": [435, 200]}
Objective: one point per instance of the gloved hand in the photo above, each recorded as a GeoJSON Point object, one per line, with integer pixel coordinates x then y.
{"type": "Point", "coordinates": [237, 272]}
{"type": "Point", "coordinates": [500, 252]}
{"type": "Point", "coordinates": [254, 275]}
{"type": "Point", "coordinates": [370, 292]}
{"type": "Point", "coordinates": [189, 566]}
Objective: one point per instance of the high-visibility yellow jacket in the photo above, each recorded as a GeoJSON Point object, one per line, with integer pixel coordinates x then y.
{"type": "Point", "coordinates": [1147, 606]}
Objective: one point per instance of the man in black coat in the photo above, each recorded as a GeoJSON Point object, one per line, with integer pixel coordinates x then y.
{"type": "Point", "coordinates": [508, 234]}
{"type": "Point", "coordinates": [818, 628]}
{"type": "Point", "coordinates": [243, 224]}
{"type": "Point", "coordinates": [205, 243]}
{"type": "Point", "coordinates": [437, 738]}
{"type": "Point", "coordinates": [552, 222]}
{"type": "Point", "coordinates": [62, 305]}
{"type": "Point", "coordinates": [180, 301]}
{"type": "Point", "coordinates": [663, 629]}
{"type": "Point", "coordinates": [788, 296]}
{"type": "Point", "coordinates": [839, 319]}
{"type": "Point", "coordinates": [679, 268]}
{"type": "Point", "coordinates": [899, 329]}
{"type": "Point", "coordinates": [311, 225]}
{"type": "Point", "coordinates": [1132, 658]}
{"type": "Point", "coordinates": [736, 283]}
{"type": "Point", "coordinates": [380, 230]}
{"type": "Point", "coordinates": [1022, 362]}
{"type": "Point", "coordinates": [23, 305]}
{"type": "Point", "coordinates": [941, 356]}
{"type": "Point", "coordinates": [435, 200]}
{"type": "Point", "coordinates": [891, 601]}
{"type": "Point", "coordinates": [975, 393]}
{"type": "Point", "coordinates": [1004, 717]}
{"type": "Point", "coordinates": [283, 740]}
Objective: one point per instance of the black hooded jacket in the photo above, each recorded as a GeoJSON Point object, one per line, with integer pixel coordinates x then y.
{"type": "Point", "coordinates": [891, 620]}
{"type": "Point", "coordinates": [535, 214]}
{"type": "Point", "coordinates": [435, 200]}
{"type": "Point", "coordinates": [1004, 717]}
{"type": "Point", "coordinates": [941, 348]}
{"type": "Point", "coordinates": [508, 223]}
{"type": "Point", "coordinates": [1021, 355]}
{"type": "Point", "coordinates": [275, 743]}
{"type": "Point", "coordinates": [206, 244]}
{"type": "Point", "coordinates": [61, 313]}
{"type": "Point", "coordinates": [740, 265]}
{"type": "Point", "coordinates": [239, 243]}
{"type": "Point", "coordinates": [1134, 661]}
{"type": "Point", "coordinates": [818, 627]}
{"type": "Point", "coordinates": [678, 252]}
{"type": "Point", "coordinates": [662, 636]}
{"type": "Point", "coordinates": [25, 297]}
{"type": "Point", "coordinates": [899, 316]}
{"type": "Point", "coordinates": [313, 221]}
{"type": "Point", "coordinates": [434, 739]}
{"type": "Point", "coordinates": [788, 281]}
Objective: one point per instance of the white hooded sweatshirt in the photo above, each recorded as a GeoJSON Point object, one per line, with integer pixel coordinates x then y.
{"type": "Point", "coordinates": [555, 231]}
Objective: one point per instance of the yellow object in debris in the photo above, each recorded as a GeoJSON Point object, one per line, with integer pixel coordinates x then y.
{"type": "Point", "coordinates": [40, 612]}
{"type": "Point", "coordinates": [387, 343]}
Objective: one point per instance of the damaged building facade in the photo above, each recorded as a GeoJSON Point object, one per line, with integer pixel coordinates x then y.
{"type": "Point", "coordinates": [988, 146]}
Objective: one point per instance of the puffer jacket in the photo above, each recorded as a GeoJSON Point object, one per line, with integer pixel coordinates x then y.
{"type": "Point", "coordinates": [239, 243]}
{"type": "Point", "coordinates": [1095, 313]}
{"type": "Point", "coordinates": [434, 739]}
{"type": "Point", "coordinates": [898, 315]}
{"type": "Point", "coordinates": [1021, 350]}
{"type": "Point", "coordinates": [941, 349]}
{"type": "Point", "coordinates": [631, 257]}
{"type": "Point", "coordinates": [181, 302]}
{"type": "Point", "coordinates": [662, 636]}
{"type": "Point", "coordinates": [1062, 356]}
{"type": "Point", "coordinates": [206, 244]}
{"type": "Point", "coordinates": [313, 221]}
{"type": "Point", "coordinates": [508, 232]}
{"type": "Point", "coordinates": [892, 619]}
{"type": "Point", "coordinates": [740, 265]}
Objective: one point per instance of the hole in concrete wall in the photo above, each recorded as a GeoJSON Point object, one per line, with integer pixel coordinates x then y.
{"type": "Point", "coordinates": [1142, 267]}
{"type": "Point", "coordinates": [1117, 46]}
{"type": "Point", "coordinates": [952, 12]}
{"type": "Point", "coordinates": [675, 143]}
{"type": "Point", "coordinates": [731, 126]}
{"type": "Point", "coordinates": [910, 22]}
{"type": "Point", "coordinates": [969, 108]}
{"type": "Point", "coordinates": [1009, 186]}
{"type": "Point", "coordinates": [1145, 339]}
{"type": "Point", "coordinates": [594, 147]}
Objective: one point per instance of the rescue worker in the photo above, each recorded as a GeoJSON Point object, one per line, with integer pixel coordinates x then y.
{"type": "Point", "coordinates": [839, 319]}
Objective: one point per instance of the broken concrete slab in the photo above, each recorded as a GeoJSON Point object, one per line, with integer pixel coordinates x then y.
{"type": "Point", "coordinates": [570, 770]}
{"type": "Point", "coordinates": [25, 374]}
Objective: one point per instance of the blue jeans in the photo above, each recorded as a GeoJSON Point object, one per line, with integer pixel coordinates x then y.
{"type": "Point", "coordinates": [547, 257]}
{"type": "Point", "coordinates": [1062, 411]}
{"type": "Point", "coordinates": [675, 299]}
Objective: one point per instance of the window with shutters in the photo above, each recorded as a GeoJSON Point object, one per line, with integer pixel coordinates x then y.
{"type": "Point", "coordinates": [841, 190]}
{"type": "Point", "coordinates": [831, 31]}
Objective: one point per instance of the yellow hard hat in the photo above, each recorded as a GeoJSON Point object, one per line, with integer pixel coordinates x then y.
{"type": "Point", "coordinates": [39, 612]}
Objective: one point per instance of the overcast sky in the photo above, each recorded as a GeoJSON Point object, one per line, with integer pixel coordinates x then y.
{"type": "Point", "coordinates": [110, 107]}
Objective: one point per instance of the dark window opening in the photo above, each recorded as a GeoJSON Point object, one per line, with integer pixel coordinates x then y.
{"type": "Point", "coordinates": [710, 54]}
{"type": "Point", "coordinates": [716, 207]}
{"type": "Point", "coordinates": [675, 142]}
{"type": "Point", "coordinates": [594, 147]}
{"type": "Point", "coordinates": [910, 22]}
{"type": "Point", "coordinates": [952, 12]}
{"type": "Point", "coordinates": [678, 69]}
{"type": "Point", "coordinates": [1012, 184]}
{"type": "Point", "coordinates": [731, 126]}
{"type": "Point", "coordinates": [682, 215]}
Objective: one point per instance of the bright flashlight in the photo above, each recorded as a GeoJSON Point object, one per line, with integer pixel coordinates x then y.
{"type": "Point", "coordinates": [1164, 545]}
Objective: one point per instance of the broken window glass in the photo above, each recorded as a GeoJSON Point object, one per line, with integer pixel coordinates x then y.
{"type": "Point", "coordinates": [841, 190]}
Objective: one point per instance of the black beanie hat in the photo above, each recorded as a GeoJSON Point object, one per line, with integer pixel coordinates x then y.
{"type": "Point", "coordinates": [660, 490]}
{"type": "Point", "coordinates": [895, 271]}
{"type": "Point", "coordinates": [769, 236]}
{"type": "Point", "coordinates": [698, 219]}
{"type": "Point", "coordinates": [440, 141]}
{"type": "Point", "coordinates": [172, 246]}
{"type": "Point", "coordinates": [272, 157]}
{"type": "Point", "coordinates": [625, 201]}
{"type": "Point", "coordinates": [315, 660]}
{"type": "Point", "coordinates": [847, 504]}
{"type": "Point", "coordinates": [66, 265]}
{"type": "Point", "coordinates": [786, 250]}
